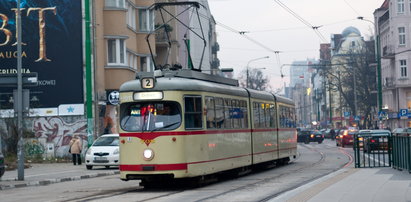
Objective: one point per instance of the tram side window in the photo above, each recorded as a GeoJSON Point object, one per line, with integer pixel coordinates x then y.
{"type": "Point", "coordinates": [236, 113]}
{"type": "Point", "coordinates": [210, 107]}
{"type": "Point", "coordinates": [282, 117]}
{"type": "Point", "coordinates": [244, 112]}
{"type": "Point", "coordinates": [219, 112]}
{"type": "Point", "coordinates": [193, 112]}
{"type": "Point", "coordinates": [256, 115]}
{"type": "Point", "coordinates": [228, 113]}
{"type": "Point", "coordinates": [273, 120]}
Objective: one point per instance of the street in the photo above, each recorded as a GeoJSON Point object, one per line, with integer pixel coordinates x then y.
{"type": "Point", "coordinates": [313, 161]}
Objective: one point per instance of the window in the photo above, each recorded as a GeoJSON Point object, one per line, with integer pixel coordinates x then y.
{"type": "Point", "coordinates": [116, 51]}
{"type": "Point", "coordinates": [193, 112]}
{"type": "Point", "coordinates": [403, 68]}
{"type": "Point", "coordinates": [150, 116]}
{"type": "Point", "coordinates": [401, 36]}
{"type": "Point", "coordinates": [400, 6]}
{"type": "Point", "coordinates": [115, 3]}
{"type": "Point", "coordinates": [132, 60]}
{"type": "Point", "coordinates": [146, 20]}
{"type": "Point", "coordinates": [131, 16]}
{"type": "Point", "coordinates": [145, 64]}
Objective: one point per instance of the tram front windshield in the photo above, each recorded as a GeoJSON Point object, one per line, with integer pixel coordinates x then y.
{"type": "Point", "coordinates": [150, 116]}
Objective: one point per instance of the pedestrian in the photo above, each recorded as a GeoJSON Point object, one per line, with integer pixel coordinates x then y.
{"type": "Point", "coordinates": [75, 149]}
{"type": "Point", "coordinates": [332, 133]}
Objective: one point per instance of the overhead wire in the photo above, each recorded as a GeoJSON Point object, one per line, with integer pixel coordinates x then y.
{"type": "Point", "coordinates": [314, 28]}
{"type": "Point", "coordinates": [358, 14]}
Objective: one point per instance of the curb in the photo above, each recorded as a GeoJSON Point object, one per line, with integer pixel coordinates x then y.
{"type": "Point", "coordinates": [53, 181]}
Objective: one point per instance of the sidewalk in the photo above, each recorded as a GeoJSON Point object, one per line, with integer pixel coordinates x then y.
{"type": "Point", "coordinates": [44, 174]}
{"type": "Point", "coordinates": [351, 184]}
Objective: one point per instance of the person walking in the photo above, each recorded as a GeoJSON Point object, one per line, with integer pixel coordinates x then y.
{"type": "Point", "coordinates": [75, 149]}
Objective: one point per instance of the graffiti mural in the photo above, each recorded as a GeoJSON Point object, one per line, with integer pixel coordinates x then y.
{"type": "Point", "coordinates": [33, 148]}
{"type": "Point", "coordinates": [55, 130]}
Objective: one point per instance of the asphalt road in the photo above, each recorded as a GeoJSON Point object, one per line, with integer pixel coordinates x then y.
{"type": "Point", "coordinates": [314, 161]}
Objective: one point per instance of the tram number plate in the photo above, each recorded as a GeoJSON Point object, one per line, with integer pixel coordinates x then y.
{"type": "Point", "coordinates": [100, 158]}
{"type": "Point", "coordinates": [147, 83]}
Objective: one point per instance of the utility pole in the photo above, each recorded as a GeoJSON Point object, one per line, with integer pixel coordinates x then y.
{"type": "Point", "coordinates": [89, 77]}
{"type": "Point", "coordinates": [20, 149]}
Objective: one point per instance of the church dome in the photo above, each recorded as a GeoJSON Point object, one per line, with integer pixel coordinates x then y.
{"type": "Point", "coordinates": [349, 30]}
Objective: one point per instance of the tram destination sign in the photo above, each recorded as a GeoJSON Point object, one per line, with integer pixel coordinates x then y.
{"type": "Point", "coordinates": [51, 47]}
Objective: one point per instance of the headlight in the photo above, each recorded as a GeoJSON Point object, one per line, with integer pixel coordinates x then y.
{"type": "Point", "coordinates": [148, 154]}
{"type": "Point", "coordinates": [116, 151]}
{"type": "Point", "coordinates": [88, 151]}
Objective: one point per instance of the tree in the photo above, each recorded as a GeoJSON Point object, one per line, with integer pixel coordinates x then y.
{"type": "Point", "coordinates": [256, 79]}
{"type": "Point", "coordinates": [350, 64]}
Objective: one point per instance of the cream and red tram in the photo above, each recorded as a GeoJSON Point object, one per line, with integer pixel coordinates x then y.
{"type": "Point", "coordinates": [183, 124]}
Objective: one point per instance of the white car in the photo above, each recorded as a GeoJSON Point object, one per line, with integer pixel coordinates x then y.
{"type": "Point", "coordinates": [103, 152]}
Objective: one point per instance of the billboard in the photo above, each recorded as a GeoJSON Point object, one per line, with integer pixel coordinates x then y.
{"type": "Point", "coordinates": [51, 47]}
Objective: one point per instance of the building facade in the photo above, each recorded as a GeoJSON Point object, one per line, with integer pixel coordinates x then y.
{"type": "Point", "coordinates": [393, 25]}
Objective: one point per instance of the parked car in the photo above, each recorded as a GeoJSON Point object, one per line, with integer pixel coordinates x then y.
{"type": "Point", "coordinates": [2, 167]}
{"type": "Point", "coordinates": [308, 136]}
{"type": "Point", "coordinates": [345, 137]}
{"type": "Point", "coordinates": [103, 152]}
{"type": "Point", "coordinates": [374, 139]}
{"type": "Point", "coordinates": [327, 133]}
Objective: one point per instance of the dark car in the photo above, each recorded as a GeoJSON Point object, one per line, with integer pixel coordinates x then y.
{"type": "Point", "coordinates": [374, 139]}
{"type": "Point", "coordinates": [308, 136]}
{"type": "Point", "coordinates": [2, 168]}
{"type": "Point", "coordinates": [345, 137]}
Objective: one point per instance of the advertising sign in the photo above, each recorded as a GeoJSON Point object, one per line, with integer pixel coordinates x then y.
{"type": "Point", "coordinates": [51, 47]}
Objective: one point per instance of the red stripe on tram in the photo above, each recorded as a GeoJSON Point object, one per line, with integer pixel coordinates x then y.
{"type": "Point", "coordinates": [155, 167]}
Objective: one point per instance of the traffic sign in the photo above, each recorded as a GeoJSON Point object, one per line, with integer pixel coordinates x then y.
{"type": "Point", "coordinates": [357, 118]}
{"type": "Point", "coordinates": [403, 114]}
{"type": "Point", "coordinates": [347, 114]}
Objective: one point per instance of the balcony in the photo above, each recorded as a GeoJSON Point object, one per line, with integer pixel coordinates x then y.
{"type": "Point", "coordinates": [388, 52]}
{"type": "Point", "coordinates": [215, 63]}
{"type": "Point", "coordinates": [161, 38]}
{"type": "Point", "coordinates": [389, 82]}
{"type": "Point", "coordinates": [215, 48]}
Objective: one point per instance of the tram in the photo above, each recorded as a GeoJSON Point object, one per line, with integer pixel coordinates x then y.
{"type": "Point", "coordinates": [185, 124]}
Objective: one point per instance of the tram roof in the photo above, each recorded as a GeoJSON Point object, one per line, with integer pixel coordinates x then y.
{"type": "Point", "coordinates": [187, 80]}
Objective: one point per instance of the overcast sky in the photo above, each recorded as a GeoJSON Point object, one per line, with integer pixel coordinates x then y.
{"type": "Point", "coordinates": [271, 25]}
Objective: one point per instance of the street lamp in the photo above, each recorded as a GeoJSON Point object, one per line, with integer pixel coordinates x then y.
{"type": "Point", "coordinates": [249, 64]}
{"type": "Point", "coordinates": [378, 58]}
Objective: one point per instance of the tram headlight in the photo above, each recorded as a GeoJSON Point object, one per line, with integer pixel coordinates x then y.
{"type": "Point", "coordinates": [148, 154]}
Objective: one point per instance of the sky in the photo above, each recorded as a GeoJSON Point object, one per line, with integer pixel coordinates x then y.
{"type": "Point", "coordinates": [275, 29]}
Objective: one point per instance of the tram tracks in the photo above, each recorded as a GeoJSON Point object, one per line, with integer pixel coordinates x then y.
{"type": "Point", "coordinates": [195, 193]}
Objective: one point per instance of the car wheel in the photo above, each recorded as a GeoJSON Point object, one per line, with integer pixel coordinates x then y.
{"type": "Point", "coordinates": [319, 142]}
{"type": "Point", "coordinates": [107, 167]}
{"type": "Point", "coordinates": [89, 167]}
{"type": "Point", "coordinates": [342, 145]}
{"type": "Point", "coordinates": [307, 141]}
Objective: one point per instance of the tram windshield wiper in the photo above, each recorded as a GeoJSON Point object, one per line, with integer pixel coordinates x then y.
{"type": "Point", "coordinates": [166, 126]}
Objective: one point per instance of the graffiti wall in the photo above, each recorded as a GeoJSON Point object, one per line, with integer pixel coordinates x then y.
{"type": "Point", "coordinates": [59, 132]}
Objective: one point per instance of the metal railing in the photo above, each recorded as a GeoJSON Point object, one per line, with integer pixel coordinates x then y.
{"type": "Point", "coordinates": [371, 151]}
{"type": "Point", "coordinates": [401, 153]}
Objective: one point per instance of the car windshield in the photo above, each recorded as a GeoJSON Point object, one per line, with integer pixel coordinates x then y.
{"type": "Point", "coordinates": [106, 141]}
{"type": "Point", "coordinates": [150, 116]}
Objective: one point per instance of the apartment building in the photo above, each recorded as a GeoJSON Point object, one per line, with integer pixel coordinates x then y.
{"type": "Point", "coordinates": [120, 29]}
{"type": "Point", "coordinates": [393, 25]}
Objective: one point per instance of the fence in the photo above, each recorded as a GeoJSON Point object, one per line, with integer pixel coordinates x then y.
{"type": "Point", "coordinates": [372, 150]}
{"type": "Point", "coordinates": [401, 153]}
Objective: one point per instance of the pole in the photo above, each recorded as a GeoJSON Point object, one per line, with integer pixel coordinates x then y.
{"type": "Point", "coordinates": [379, 72]}
{"type": "Point", "coordinates": [248, 65]}
{"type": "Point", "coordinates": [89, 78]}
{"type": "Point", "coordinates": [20, 149]}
